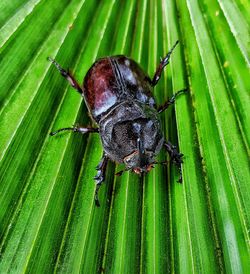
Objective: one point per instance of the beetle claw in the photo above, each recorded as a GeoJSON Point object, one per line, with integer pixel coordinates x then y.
{"type": "Point", "coordinates": [180, 180]}
{"type": "Point", "coordinates": [176, 157]}
{"type": "Point", "coordinates": [97, 203]}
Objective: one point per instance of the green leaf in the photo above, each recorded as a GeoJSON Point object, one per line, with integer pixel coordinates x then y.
{"type": "Point", "coordinates": [49, 222]}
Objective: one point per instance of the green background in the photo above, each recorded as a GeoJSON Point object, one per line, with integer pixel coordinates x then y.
{"type": "Point", "coordinates": [48, 220]}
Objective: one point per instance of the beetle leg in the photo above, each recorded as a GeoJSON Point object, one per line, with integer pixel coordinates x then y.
{"type": "Point", "coordinates": [76, 128]}
{"type": "Point", "coordinates": [66, 75]}
{"type": "Point", "coordinates": [170, 101]}
{"type": "Point", "coordinates": [100, 176]}
{"type": "Point", "coordinates": [175, 156]}
{"type": "Point", "coordinates": [161, 66]}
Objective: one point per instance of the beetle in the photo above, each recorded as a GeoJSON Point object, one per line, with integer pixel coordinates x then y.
{"type": "Point", "coordinates": [118, 95]}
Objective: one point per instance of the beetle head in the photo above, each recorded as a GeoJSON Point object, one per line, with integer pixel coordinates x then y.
{"type": "Point", "coordinates": [140, 161]}
{"type": "Point", "coordinates": [132, 134]}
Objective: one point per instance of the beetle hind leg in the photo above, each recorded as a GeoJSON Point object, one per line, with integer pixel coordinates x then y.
{"type": "Point", "coordinates": [66, 75]}
{"type": "Point", "coordinates": [175, 156]}
{"type": "Point", "coordinates": [100, 176]}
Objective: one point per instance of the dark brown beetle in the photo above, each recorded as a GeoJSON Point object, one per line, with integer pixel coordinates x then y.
{"type": "Point", "coordinates": [119, 97]}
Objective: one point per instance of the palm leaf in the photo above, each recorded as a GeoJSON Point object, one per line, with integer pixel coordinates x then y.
{"type": "Point", "coordinates": [145, 225]}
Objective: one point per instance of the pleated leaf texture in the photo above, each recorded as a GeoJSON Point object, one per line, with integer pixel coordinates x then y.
{"type": "Point", "coordinates": [48, 218]}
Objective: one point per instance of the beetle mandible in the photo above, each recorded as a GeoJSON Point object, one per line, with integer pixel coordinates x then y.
{"type": "Point", "coordinates": [118, 95]}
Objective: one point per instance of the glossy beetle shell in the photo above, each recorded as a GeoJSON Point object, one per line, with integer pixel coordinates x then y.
{"type": "Point", "coordinates": [119, 98]}
{"type": "Point", "coordinates": [112, 80]}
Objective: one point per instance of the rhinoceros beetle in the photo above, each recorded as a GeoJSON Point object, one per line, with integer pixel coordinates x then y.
{"type": "Point", "coordinates": [118, 95]}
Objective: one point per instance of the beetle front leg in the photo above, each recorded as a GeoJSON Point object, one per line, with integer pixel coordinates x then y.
{"type": "Point", "coordinates": [100, 176]}
{"type": "Point", "coordinates": [161, 66]}
{"type": "Point", "coordinates": [175, 157]}
{"type": "Point", "coordinates": [76, 128]}
{"type": "Point", "coordinates": [170, 101]}
{"type": "Point", "coordinates": [66, 75]}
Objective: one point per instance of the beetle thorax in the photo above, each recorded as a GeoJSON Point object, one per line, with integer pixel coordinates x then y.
{"type": "Point", "coordinates": [131, 133]}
